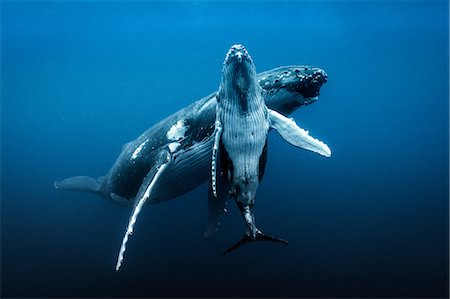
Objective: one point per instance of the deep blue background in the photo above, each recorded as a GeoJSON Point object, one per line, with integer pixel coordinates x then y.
{"type": "Point", "coordinates": [79, 79]}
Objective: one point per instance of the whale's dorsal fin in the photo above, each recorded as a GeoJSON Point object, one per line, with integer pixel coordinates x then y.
{"type": "Point", "coordinates": [295, 135]}
{"type": "Point", "coordinates": [124, 146]}
{"type": "Point", "coordinates": [142, 196]}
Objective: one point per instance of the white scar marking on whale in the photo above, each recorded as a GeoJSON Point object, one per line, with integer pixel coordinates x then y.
{"type": "Point", "coordinates": [138, 150]}
{"type": "Point", "coordinates": [174, 146]}
{"type": "Point", "coordinates": [177, 131]}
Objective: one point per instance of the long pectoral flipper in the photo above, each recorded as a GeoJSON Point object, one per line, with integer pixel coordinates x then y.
{"type": "Point", "coordinates": [217, 202]}
{"type": "Point", "coordinates": [295, 135]}
{"type": "Point", "coordinates": [142, 196]}
{"type": "Point", "coordinates": [216, 208]}
{"type": "Point", "coordinates": [217, 134]}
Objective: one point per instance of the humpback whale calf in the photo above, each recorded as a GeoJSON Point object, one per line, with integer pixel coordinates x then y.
{"type": "Point", "coordinates": [240, 139]}
{"type": "Point", "coordinates": [177, 149]}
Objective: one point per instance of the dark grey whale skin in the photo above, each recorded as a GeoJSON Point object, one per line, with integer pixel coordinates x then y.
{"type": "Point", "coordinates": [286, 89]}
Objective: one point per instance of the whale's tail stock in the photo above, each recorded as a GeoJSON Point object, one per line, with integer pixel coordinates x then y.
{"type": "Point", "coordinates": [81, 184]}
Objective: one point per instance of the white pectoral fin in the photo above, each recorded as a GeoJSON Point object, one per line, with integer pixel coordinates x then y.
{"type": "Point", "coordinates": [217, 134]}
{"type": "Point", "coordinates": [295, 135]}
{"type": "Point", "coordinates": [216, 207]}
{"type": "Point", "coordinates": [143, 194]}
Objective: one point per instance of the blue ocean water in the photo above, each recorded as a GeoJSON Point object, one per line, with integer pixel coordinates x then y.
{"type": "Point", "coordinates": [81, 78]}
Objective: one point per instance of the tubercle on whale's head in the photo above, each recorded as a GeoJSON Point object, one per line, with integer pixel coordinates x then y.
{"type": "Point", "coordinates": [289, 87]}
{"type": "Point", "coordinates": [238, 61]}
{"type": "Point", "coordinates": [237, 53]}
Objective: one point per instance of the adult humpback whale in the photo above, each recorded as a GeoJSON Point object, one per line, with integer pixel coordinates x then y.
{"type": "Point", "coordinates": [241, 128]}
{"type": "Point", "coordinates": [177, 149]}
{"type": "Point", "coordinates": [187, 136]}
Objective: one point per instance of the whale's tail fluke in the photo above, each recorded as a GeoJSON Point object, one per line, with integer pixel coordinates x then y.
{"type": "Point", "coordinates": [259, 236]}
{"type": "Point", "coordinates": [81, 184]}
